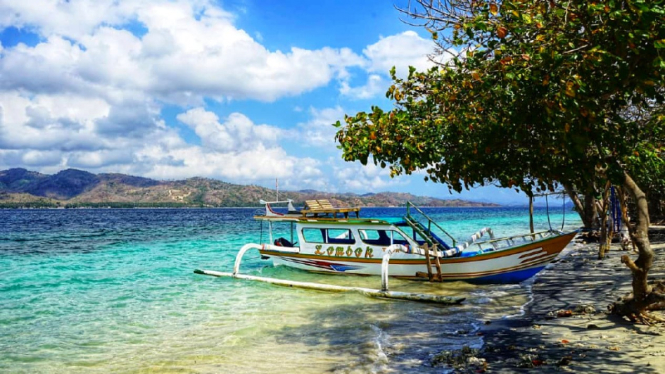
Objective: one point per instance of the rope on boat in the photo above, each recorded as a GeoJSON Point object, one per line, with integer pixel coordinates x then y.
{"type": "Point", "coordinates": [547, 204]}
{"type": "Point", "coordinates": [261, 234]}
{"type": "Point", "coordinates": [473, 239]}
{"type": "Point", "coordinates": [563, 208]}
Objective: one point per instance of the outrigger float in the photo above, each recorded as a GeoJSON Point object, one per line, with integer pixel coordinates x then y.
{"type": "Point", "coordinates": [317, 240]}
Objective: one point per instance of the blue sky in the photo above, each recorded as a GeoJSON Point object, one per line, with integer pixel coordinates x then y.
{"type": "Point", "coordinates": [243, 91]}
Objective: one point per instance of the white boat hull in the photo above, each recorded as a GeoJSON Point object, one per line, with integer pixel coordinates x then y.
{"type": "Point", "coordinates": [501, 266]}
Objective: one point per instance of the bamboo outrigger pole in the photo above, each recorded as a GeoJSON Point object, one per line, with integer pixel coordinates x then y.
{"type": "Point", "coordinates": [331, 288]}
{"type": "Point", "coordinates": [383, 292]}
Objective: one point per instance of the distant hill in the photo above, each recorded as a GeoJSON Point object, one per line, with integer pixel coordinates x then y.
{"type": "Point", "coordinates": [77, 188]}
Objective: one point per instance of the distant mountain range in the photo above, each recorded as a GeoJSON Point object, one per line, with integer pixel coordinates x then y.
{"type": "Point", "coordinates": [78, 188]}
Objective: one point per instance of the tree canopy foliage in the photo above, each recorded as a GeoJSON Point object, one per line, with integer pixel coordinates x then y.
{"type": "Point", "coordinates": [539, 93]}
{"type": "Point", "coordinates": [530, 94]}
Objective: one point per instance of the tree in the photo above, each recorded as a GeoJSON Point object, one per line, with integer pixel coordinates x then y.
{"type": "Point", "coordinates": [535, 94]}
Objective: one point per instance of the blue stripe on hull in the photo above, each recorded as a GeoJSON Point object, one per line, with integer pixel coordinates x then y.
{"type": "Point", "coordinates": [511, 277]}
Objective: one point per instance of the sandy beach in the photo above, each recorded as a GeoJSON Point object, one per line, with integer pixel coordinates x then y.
{"type": "Point", "coordinates": [566, 326]}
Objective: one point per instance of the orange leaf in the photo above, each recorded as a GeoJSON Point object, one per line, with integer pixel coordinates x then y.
{"type": "Point", "coordinates": [494, 9]}
{"type": "Point", "coordinates": [564, 313]}
{"type": "Point", "coordinates": [501, 32]}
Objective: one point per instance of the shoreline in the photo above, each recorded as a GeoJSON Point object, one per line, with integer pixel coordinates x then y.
{"type": "Point", "coordinates": [244, 207]}
{"type": "Point", "coordinates": [566, 327]}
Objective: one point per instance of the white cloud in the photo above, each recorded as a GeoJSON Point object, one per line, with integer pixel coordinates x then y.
{"type": "Point", "coordinates": [319, 130]}
{"type": "Point", "coordinates": [248, 166]}
{"type": "Point", "coordinates": [90, 93]}
{"type": "Point", "coordinates": [190, 51]}
{"type": "Point", "coordinates": [237, 133]}
{"type": "Point", "coordinates": [36, 158]}
{"type": "Point", "coordinates": [99, 159]}
{"type": "Point", "coordinates": [363, 178]}
{"type": "Point", "coordinates": [55, 17]}
{"type": "Point", "coordinates": [46, 122]}
{"type": "Point", "coordinates": [76, 18]}
{"type": "Point", "coordinates": [375, 86]}
{"type": "Point", "coordinates": [401, 51]}
{"type": "Point", "coordinates": [51, 132]}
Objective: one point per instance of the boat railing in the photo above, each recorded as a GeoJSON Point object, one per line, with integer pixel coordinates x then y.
{"type": "Point", "coordinates": [472, 240]}
{"type": "Point", "coordinates": [495, 243]}
{"type": "Point", "coordinates": [425, 231]}
{"type": "Point", "coordinates": [508, 241]}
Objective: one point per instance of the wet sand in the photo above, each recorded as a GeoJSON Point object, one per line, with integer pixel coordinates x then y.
{"type": "Point", "coordinates": [566, 327]}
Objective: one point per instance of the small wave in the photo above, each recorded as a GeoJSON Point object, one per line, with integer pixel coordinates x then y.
{"type": "Point", "coordinates": [482, 300]}
{"type": "Point", "coordinates": [380, 341]}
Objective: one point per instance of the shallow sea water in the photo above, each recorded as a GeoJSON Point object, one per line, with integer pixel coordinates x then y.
{"type": "Point", "coordinates": [113, 290]}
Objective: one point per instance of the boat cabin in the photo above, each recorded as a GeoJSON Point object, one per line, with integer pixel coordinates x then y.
{"type": "Point", "coordinates": [323, 233]}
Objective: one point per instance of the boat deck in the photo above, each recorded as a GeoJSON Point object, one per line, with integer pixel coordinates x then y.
{"type": "Point", "coordinates": [304, 219]}
{"type": "Point", "coordinates": [316, 207]}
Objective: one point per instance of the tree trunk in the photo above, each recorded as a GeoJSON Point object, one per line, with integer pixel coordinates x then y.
{"type": "Point", "coordinates": [625, 237]}
{"type": "Point", "coordinates": [639, 234]}
{"type": "Point", "coordinates": [643, 296]}
{"type": "Point", "coordinates": [587, 210]}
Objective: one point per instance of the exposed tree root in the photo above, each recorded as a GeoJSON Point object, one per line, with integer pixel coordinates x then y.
{"type": "Point", "coordinates": [638, 312]}
{"type": "Point", "coordinates": [657, 287]}
{"type": "Point", "coordinates": [628, 308]}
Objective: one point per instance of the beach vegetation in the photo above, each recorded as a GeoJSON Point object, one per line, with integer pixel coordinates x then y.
{"type": "Point", "coordinates": [532, 95]}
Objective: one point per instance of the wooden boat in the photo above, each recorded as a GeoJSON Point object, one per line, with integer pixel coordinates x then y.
{"type": "Point", "coordinates": [317, 240]}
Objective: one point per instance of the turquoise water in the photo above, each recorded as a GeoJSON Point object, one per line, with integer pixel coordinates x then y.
{"type": "Point", "coordinates": [113, 291]}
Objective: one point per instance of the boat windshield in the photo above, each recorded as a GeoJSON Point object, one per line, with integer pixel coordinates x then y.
{"type": "Point", "coordinates": [328, 235]}
{"type": "Point", "coordinates": [282, 234]}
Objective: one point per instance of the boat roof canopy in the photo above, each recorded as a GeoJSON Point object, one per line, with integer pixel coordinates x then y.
{"type": "Point", "coordinates": [303, 219]}
{"type": "Point", "coordinates": [314, 209]}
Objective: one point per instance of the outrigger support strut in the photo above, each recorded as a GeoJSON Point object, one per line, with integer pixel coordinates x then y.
{"type": "Point", "coordinates": [241, 252]}
{"type": "Point", "coordinates": [384, 266]}
{"type": "Point", "coordinates": [383, 292]}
